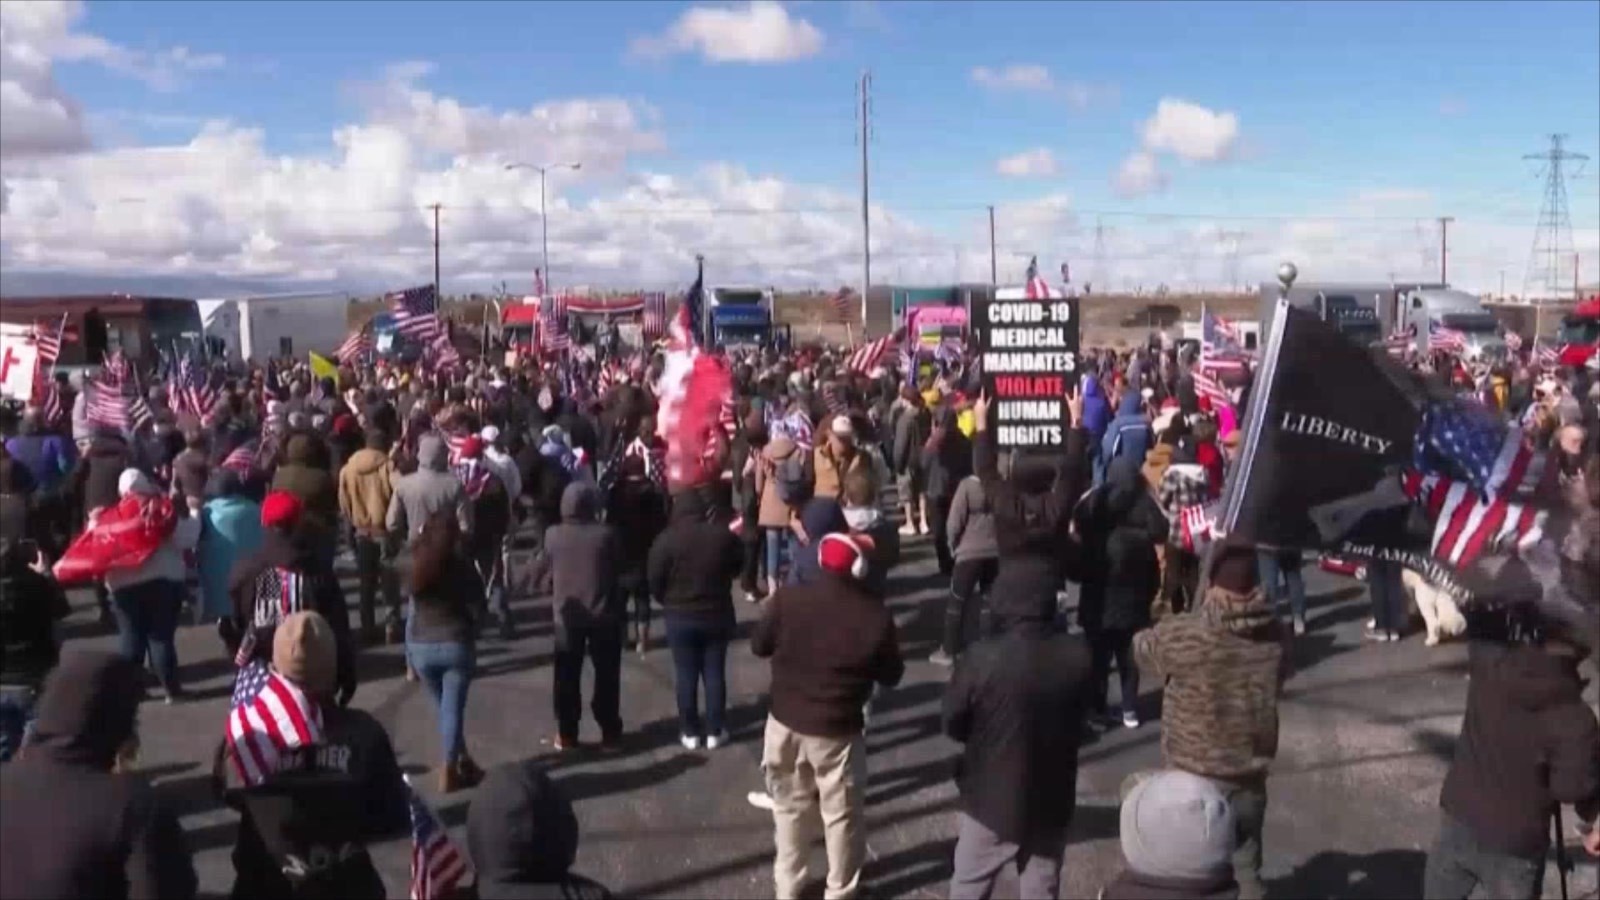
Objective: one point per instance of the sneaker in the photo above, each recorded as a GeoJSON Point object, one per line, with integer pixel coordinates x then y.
{"type": "Point", "coordinates": [717, 740]}
{"type": "Point", "coordinates": [1393, 636]}
{"type": "Point", "coordinates": [941, 658]}
{"type": "Point", "coordinates": [690, 741]}
{"type": "Point", "coordinates": [562, 744]}
{"type": "Point", "coordinates": [1299, 626]}
{"type": "Point", "coordinates": [909, 530]}
{"type": "Point", "coordinates": [760, 800]}
{"type": "Point", "coordinates": [750, 597]}
{"type": "Point", "coordinates": [1372, 624]}
{"type": "Point", "coordinates": [1130, 719]}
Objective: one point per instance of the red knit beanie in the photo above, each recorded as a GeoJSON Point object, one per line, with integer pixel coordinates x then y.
{"type": "Point", "coordinates": [280, 509]}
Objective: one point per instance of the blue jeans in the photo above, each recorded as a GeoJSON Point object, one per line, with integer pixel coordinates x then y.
{"type": "Point", "coordinates": [775, 541]}
{"type": "Point", "coordinates": [147, 620]}
{"type": "Point", "coordinates": [446, 667]}
{"type": "Point", "coordinates": [1276, 579]}
{"type": "Point", "coordinates": [16, 718]}
{"type": "Point", "coordinates": [699, 654]}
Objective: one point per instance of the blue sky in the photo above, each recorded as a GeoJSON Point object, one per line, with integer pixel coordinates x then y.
{"type": "Point", "coordinates": [1427, 106]}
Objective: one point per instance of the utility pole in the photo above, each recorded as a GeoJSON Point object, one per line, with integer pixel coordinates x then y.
{"type": "Point", "coordinates": [865, 90]}
{"type": "Point", "coordinates": [1444, 248]}
{"type": "Point", "coordinates": [1098, 273]}
{"type": "Point", "coordinates": [1552, 237]}
{"type": "Point", "coordinates": [994, 265]}
{"type": "Point", "coordinates": [438, 298]}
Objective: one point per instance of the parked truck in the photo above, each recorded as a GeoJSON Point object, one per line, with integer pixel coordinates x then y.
{"type": "Point", "coordinates": [261, 327]}
{"type": "Point", "coordinates": [1368, 312]}
{"type": "Point", "coordinates": [742, 317]}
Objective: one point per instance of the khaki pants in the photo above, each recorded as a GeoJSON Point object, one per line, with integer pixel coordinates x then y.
{"type": "Point", "coordinates": [808, 776]}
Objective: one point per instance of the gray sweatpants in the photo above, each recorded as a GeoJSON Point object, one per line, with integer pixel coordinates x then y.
{"type": "Point", "coordinates": [981, 855]}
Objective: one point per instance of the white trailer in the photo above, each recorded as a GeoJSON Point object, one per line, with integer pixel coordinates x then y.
{"type": "Point", "coordinates": [273, 325]}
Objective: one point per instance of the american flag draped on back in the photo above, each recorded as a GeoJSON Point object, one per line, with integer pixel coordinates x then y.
{"type": "Point", "coordinates": [1220, 350]}
{"type": "Point", "coordinates": [416, 312]}
{"type": "Point", "coordinates": [275, 718]}
{"type": "Point", "coordinates": [437, 864]}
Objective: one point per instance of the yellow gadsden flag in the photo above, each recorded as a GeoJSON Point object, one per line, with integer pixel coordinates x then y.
{"type": "Point", "coordinates": [323, 367]}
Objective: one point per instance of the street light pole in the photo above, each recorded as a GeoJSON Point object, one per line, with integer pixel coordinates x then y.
{"type": "Point", "coordinates": [544, 219]}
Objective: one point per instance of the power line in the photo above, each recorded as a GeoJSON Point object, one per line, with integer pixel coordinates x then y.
{"type": "Point", "coordinates": [1552, 236]}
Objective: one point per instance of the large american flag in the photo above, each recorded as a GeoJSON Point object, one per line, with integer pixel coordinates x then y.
{"type": "Point", "coordinates": [274, 718]}
{"type": "Point", "coordinates": [437, 864]}
{"type": "Point", "coordinates": [553, 323]}
{"type": "Point", "coordinates": [416, 312]}
{"type": "Point", "coordinates": [1466, 525]}
{"type": "Point", "coordinates": [870, 355]}
{"type": "Point", "coordinates": [1447, 339]}
{"type": "Point", "coordinates": [357, 345]}
{"type": "Point", "coordinates": [691, 393]}
{"type": "Point", "coordinates": [1220, 350]}
{"type": "Point", "coordinates": [1467, 442]}
{"type": "Point", "coordinates": [654, 320]}
{"type": "Point", "coordinates": [1206, 385]}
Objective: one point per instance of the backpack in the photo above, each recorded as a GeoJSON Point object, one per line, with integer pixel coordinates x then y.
{"type": "Point", "coordinates": [794, 488]}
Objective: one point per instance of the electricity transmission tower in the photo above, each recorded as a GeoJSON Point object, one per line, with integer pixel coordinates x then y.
{"type": "Point", "coordinates": [1552, 238]}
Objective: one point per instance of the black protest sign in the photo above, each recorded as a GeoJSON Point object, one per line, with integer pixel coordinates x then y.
{"type": "Point", "coordinates": [1028, 350]}
{"type": "Point", "coordinates": [1326, 433]}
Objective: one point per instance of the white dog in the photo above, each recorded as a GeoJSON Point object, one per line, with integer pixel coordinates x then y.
{"type": "Point", "coordinates": [1439, 611]}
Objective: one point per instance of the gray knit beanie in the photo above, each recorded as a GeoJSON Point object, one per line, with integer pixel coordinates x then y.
{"type": "Point", "coordinates": [1177, 825]}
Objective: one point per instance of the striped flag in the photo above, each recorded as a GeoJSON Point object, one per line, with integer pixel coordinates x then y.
{"type": "Point", "coordinates": [1547, 357]}
{"type": "Point", "coordinates": [796, 426]}
{"type": "Point", "coordinates": [1197, 526]}
{"type": "Point", "coordinates": [106, 406]}
{"type": "Point", "coordinates": [1206, 385]}
{"type": "Point", "coordinates": [553, 323]}
{"type": "Point", "coordinates": [437, 864]}
{"type": "Point", "coordinates": [1220, 350]}
{"type": "Point", "coordinates": [357, 345]}
{"type": "Point", "coordinates": [241, 459]}
{"type": "Point", "coordinates": [442, 352]}
{"type": "Point", "coordinates": [48, 342]}
{"type": "Point", "coordinates": [416, 312]}
{"type": "Point", "coordinates": [654, 321]}
{"type": "Point", "coordinates": [870, 355]}
{"type": "Point", "coordinates": [1037, 288]}
{"type": "Point", "coordinates": [1466, 525]}
{"type": "Point", "coordinates": [1513, 343]}
{"type": "Point", "coordinates": [1467, 442]}
{"type": "Point", "coordinates": [1446, 339]}
{"type": "Point", "coordinates": [693, 387]}
{"type": "Point", "coordinates": [1398, 342]}
{"type": "Point", "coordinates": [843, 305]}
{"type": "Point", "coordinates": [275, 719]}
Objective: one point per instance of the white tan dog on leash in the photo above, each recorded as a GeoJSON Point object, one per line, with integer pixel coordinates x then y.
{"type": "Point", "coordinates": [1439, 612]}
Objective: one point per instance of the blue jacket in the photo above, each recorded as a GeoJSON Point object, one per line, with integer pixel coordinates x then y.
{"type": "Point", "coordinates": [1129, 433]}
{"type": "Point", "coordinates": [47, 457]}
{"type": "Point", "coordinates": [1096, 408]}
{"type": "Point", "coordinates": [820, 516]}
{"type": "Point", "coordinates": [230, 530]}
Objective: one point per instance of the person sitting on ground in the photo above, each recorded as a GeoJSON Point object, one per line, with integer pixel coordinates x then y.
{"type": "Point", "coordinates": [522, 835]}
{"type": "Point", "coordinates": [1177, 840]}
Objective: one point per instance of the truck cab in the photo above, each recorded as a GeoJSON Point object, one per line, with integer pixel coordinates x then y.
{"type": "Point", "coordinates": [1579, 335]}
{"type": "Point", "coordinates": [1456, 310]}
{"type": "Point", "coordinates": [739, 317]}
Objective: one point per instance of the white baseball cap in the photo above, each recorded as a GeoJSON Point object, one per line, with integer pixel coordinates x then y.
{"type": "Point", "coordinates": [843, 427]}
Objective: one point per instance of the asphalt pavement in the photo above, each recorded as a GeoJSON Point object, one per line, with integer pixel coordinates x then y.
{"type": "Point", "coordinates": [1366, 735]}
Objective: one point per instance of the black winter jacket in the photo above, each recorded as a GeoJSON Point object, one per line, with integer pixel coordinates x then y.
{"type": "Point", "coordinates": [94, 478]}
{"type": "Point", "coordinates": [301, 553]}
{"type": "Point", "coordinates": [1119, 527]}
{"type": "Point", "coordinates": [693, 563]}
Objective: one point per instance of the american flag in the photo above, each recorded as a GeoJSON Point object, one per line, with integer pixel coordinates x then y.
{"type": "Point", "coordinates": [442, 351]}
{"type": "Point", "coordinates": [843, 304]}
{"type": "Point", "coordinates": [437, 864]}
{"type": "Point", "coordinates": [1197, 526]}
{"type": "Point", "coordinates": [1466, 525]}
{"type": "Point", "coordinates": [106, 406]}
{"type": "Point", "coordinates": [1037, 288]}
{"type": "Point", "coordinates": [1466, 441]}
{"type": "Point", "coordinates": [1220, 350]}
{"type": "Point", "coordinates": [47, 397]}
{"type": "Point", "coordinates": [48, 342]}
{"type": "Point", "coordinates": [1513, 343]}
{"type": "Point", "coordinates": [655, 463]}
{"type": "Point", "coordinates": [416, 312]}
{"type": "Point", "coordinates": [691, 312]}
{"type": "Point", "coordinates": [241, 459]}
{"type": "Point", "coordinates": [796, 426]}
{"type": "Point", "coordinates": [654, 321]}
{"type": "Point", "coordinates": [728, 416]}
{"type": "Point", "coordinates": [273, 719]}
{"type": "Point", "coordinates": [1447, 339]}
{"type": "Point", "coordinates": [553, 323]}
{"type": "Point", "coordinates": [870, 355]}
{"type": "Point", "coordinates": [1206, 385]}
{"type": "Point", "coordinates": [832, 400]}
{"type": "Point", "coordinates": [190, 389]}
{"type": "Point", "coordinates": [357, 345]}
{"type": "Point", "coordinates": [1398, 342]}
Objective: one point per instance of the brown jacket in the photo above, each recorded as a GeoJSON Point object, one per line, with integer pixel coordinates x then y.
{"type": "Point", "coordinates": [366, 483]}
{"type": "Point", "coordinates": [773, 512]}
{"type": "Point", "coordinates": [830, 474]}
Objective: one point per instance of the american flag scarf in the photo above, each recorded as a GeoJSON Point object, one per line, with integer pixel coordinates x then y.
{"type": "Point", "coordinates": [273, 718]}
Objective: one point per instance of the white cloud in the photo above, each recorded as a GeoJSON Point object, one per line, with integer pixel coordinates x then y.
{"type": "Point", "coordinates": [1190, 131]}
{"type": "Point", "coordinates": [1033, 163]}
{"type": "Point", "coordinates": [1021, 77]}
{"type": "Point", "coordinates": [36, 115]}
{"type": "Point", "coordinates": [761, 31]}
{"type": "Point", "coordinates": [1139, 174]}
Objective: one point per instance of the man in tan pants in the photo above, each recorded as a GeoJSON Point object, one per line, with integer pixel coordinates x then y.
{"type": "Point", "coordinates": [829, 641]}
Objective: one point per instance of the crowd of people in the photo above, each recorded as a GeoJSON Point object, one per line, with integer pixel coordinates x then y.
{"type": "Point", "coordinates": [424, 481]}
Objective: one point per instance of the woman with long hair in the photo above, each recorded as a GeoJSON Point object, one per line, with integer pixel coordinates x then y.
{"type": "Point", "coordinates": [440, 637]}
